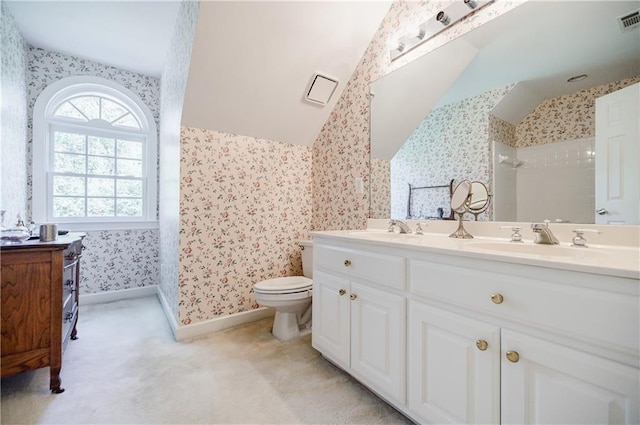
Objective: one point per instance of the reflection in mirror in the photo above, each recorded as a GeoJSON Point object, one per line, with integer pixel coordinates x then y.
{"type": "Point", "coordinates": [480, 197]}
{"type": "Point", "coordinates": [460, 197]}
{"type": "Point", "coordinates": [510, 118]}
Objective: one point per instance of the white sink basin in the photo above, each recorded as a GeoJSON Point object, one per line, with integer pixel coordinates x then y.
{"type": "Point", "coordinates": [550, 251]}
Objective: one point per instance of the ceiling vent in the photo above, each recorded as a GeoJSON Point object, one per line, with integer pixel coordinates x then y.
{"type": "Point", "coordinates": [629, 21]}
{"type": "Point", "coordinates": [321, 89]}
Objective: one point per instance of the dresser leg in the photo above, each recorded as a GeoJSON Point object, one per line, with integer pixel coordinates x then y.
{"type": "Point", "coordinates": [74, 334]}
{"type": "Point", "coordinates": [54, 380]}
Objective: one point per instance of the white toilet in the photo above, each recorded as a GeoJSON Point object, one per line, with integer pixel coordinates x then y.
{"type": "Point", "coordinates": [291, 297]}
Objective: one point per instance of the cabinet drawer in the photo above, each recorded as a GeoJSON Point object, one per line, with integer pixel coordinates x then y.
{"type": "Point", "coordinates": [380, 268]}
{"type": "Point", "coordinates": [606, 317]}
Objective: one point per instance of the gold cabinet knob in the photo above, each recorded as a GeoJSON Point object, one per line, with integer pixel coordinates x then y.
{"type": "Point", "coordinates": [342, 292]}
{"type": "Point", "coordinates": [482, 344]}
{"type": "Point", "coordinates": [353, 296]}
{"type": "Point", "coordinates": [497, 298]}
{"type": "Point", "coordinates": [513, 356]}
{"type": "Point", "coordinates": [347, 263]}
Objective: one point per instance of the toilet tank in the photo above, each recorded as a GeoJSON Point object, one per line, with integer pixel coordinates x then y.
{"type": "Point", "coordinates": [307, 257]}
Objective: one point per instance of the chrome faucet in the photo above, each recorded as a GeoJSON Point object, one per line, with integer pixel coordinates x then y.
{"type": "Point", "coordinates": [404, 227]}
{"type": "Point", "coordinates": [543, 234]}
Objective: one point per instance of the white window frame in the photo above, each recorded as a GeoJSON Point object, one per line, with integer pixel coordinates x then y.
{"type": "Point", "coordinates": [44, 124]}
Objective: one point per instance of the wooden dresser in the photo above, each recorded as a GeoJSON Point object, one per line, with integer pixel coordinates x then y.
{"type": "Point", "coordinates": [39, 304]}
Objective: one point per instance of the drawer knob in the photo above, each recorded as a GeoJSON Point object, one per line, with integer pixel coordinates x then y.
{"type": "Point", "coordinates": [353, 296]}
{"type": "Point", "coordinates": [497, 298]}
{"type": "Point", "coordinates": [342, 292]}
{"type": "Point", "coordinates": [513, 356]}
{"type": "Point", "coordinates": [347, 263]}
{"type": "Point", "coordinates": [482, 344]}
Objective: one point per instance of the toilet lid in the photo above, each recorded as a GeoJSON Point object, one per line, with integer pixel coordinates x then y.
{"type": "Point", "coordinates": [280, 284]}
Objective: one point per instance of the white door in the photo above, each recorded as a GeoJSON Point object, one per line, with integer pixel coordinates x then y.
{"type": "Point", "coordinates": [378, 321]}
{"type": "Point", "coordinates": [548, 383]}
{"type": "Point", "coordinates": [330, 334]}
{"type": "Point", "coordinates": [454, 367]}
{"type": "Point", "coordinates": [618, 157]}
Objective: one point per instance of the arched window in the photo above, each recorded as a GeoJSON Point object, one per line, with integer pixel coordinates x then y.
{"type": "Point", "coordinates": [94, 155]}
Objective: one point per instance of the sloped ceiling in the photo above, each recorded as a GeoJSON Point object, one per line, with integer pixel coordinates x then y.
{"type": "Point", "coordinates": [252, 63]}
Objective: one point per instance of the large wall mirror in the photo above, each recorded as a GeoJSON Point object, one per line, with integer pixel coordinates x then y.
{"type": "Point", "coordinates": [496, 106]}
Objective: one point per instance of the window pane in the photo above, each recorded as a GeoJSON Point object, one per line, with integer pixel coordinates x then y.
{"type": "Point", "coordinates": [88, 105]}
{"type": "Point", "coordinates": [101, 166]}
{"type": "Point", "coordinates": [102, 146]}
{"type": "Point", "coordinates": [129, 149]}
{"type": "Point", "coordinates": [100, 207]}
{"type": "Point", "coordinates": [68, 111]}
{"type": "Point", "coordinates": [68, 142]}
{"type": "Point", "coordinates": [100, 187]}
{"type": "Point", "coordinates": [68, 186]}
{"type": "Point", "coordinates": [112, 110]}
{"type": "Point", "coordinates": [130, 188]}
{"type": "Point", "coordinates": [67, 163]}
{"type": "Point", "coordinates": [128, 121]}
{"type": "Point", "coordinates": [68, 207]}
{"type": "Point", "coordinates": [129, 167]}
{"type": "Point", "coordinates": [129, 208]}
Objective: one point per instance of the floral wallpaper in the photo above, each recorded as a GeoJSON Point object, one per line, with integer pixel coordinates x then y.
{"type": "Point", "coordinates": [244, 204]}
{"type": "Point", "coordinates": [568, 117]}
{"type": "Point", "coordinates": [13, 179]}
{"type": "Point", "coordinates": [108, 264]}
{"type": "Point", "coordinates": [340, 152]}
{"type": "Point", "coordinates": [380, 188]}
{"type": "Point", "coordinates": [452, 142]}
{"type": "Point", "coordinates": [116, 260]}
{"type": "Point", "coordinates": [173, 83]}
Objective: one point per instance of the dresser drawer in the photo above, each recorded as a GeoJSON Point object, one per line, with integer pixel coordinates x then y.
{"type": "Point", "coordinates": [590, 314]}
{"type": "Point", "coordinates": [380, 268]}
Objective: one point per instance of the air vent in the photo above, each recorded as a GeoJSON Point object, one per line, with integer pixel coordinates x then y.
{"type": "Point", "coordinates": [321, 89]}
{"type": "Point", "coordinates": [629, 21]}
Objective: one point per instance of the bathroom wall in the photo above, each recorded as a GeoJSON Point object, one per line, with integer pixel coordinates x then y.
{"type": "Point", "coordinates": [111, 258]}
{"type": "Point", "coordinates": [244, 204]}
{"type": "Point", "coordinates": [340, 152]}
{"type": "Point", "coordinates": [450, 143]}
{"type": "Point", "coordinates": [380, 188]}
{"type": "Point", "coordinates": [13, 131]}
{"type": "Point", "coordinates": [173, 83]}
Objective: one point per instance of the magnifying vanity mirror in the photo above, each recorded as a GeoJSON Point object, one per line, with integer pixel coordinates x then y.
{"type": "Point", "coordinates": [460, 197]}
{"type": "Point", "coordinates": [494, 106]}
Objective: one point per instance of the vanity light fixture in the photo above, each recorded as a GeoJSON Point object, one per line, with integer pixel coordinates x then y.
{"type": "Point", "coordinates": [444, 19]}
{"type": "Point", "coordinates": [471, 4]}
{"type": "Point", "coordinates": [576, 78]}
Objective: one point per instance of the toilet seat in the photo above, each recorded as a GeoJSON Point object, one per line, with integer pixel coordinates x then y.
{"type": "Point", "coordinates": [284, 285]}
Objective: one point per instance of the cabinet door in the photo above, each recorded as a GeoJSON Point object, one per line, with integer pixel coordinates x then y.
{"type": "Point", "coordinates": [331, 324]}
{"type": "Point", "coordinates": [548, 383]}
{"type": "Point", "coordinates": [453, 376]}
{"type": "Point", "coordinates": [378, 339]}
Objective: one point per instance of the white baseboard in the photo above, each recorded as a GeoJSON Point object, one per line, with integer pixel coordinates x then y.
{"type": "Point", "coordinates": [168, 312]}
{"type": "Point", "coordinates": [180, 333]}
{"type": "Point", "coordinates": [124, 294]}
{"type": "Point", "coordinates": [220, 323]}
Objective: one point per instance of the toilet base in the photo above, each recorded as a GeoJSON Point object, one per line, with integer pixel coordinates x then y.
{"type": "Point", "coordinates": [287, 325]}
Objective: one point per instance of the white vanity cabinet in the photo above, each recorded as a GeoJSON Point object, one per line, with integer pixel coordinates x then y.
{"type": "Point", "coordinates": [356, 324]}
{"type": "Point", "coordinates": [485, 341]}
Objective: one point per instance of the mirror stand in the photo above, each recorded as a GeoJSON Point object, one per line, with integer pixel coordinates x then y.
{"type": "Point", "coordinates": [461, 232]}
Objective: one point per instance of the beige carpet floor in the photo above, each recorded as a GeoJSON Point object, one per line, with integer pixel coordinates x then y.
{"type": "Point", "coordinates": [125, 368]}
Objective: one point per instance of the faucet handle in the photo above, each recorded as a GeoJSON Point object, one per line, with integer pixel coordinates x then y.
{"type": "Point", "coordinates": [392, 226]}
{"type": "Point", "coordinates": [419, 229]}
{"type": "Point", "coordinates": [579, 240]}
{"type": "Point", "coordinates": [515, 236]}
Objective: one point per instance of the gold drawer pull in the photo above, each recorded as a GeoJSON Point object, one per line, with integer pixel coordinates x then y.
{"type": "Point", "coordinates": [482, 344]}
{"type": "Point", "coordinates": [347, 263]}
{"type": "Point", "coordinates": [497, 298]}
{"type": "Point", "coordinates": [513, 356]}
{"type": "Point", "coordinates": [342, 292]}
{"type": "Point", "coordinates": [353, 296]}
